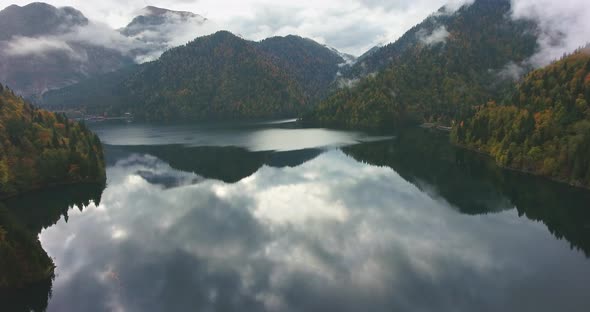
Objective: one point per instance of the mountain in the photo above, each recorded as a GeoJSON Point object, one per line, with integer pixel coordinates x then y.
{"type": "Point", "coordinates": [40, 149]}
{"type": "Point", "coordinates": [219, 76]}
{"type": "Point", "coordinates": [313, 65]}
{"type": "Point", "coordinates": [40, 49]}
{"type": "Point", "coordinates": [157, 30]}
{"type": "Point", "coordinates": [95, 95]}
{"type": "Point", "coordinates": [543, 128]}
{"type": "Point", "coordinates": [216, 76]}
{"type": "Point", "coordinates": [38, 19]}
{"type": "Point", "coordinates": [151, 18]}
{"type": "Point", "coordinates": [437, 71]}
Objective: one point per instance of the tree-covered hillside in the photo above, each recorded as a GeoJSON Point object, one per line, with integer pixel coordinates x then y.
{"type": "Point", "coordinates": [220, 76]}
{"type": "Point", "coordinates": [544, 128]}
{"type": "Point", "coordinates": [39, 148]}
{"type": "Point", "coordinates": [448, 64]}
{"type": "Point", "coordinates": [313, 65]}
{"type": "Point", "coordinates": [217, 76]}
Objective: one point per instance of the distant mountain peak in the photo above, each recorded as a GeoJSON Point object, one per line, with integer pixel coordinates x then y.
{"type": "Point", "coordinates": [41, 49]}
{"type": "Point", "coordinates": [156, 11]}
{"type": "Point", "coordinates": [37, 19]}
{"type": "Point", "coordinates": [35, 5]}
{"type": "Point", "coordinates": [150, 17]}
{"type": "Point", "coordinates": [12, 7]}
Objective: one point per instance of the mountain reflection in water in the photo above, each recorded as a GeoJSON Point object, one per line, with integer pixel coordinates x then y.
{"type": "Point", "coordinates": [404, 224]}
{"type": "Point", "coordinates": [33, 213]}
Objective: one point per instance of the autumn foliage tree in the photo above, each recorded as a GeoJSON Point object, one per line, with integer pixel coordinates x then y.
{"type": "Point", "coordinates": [435, 80]}
{"type": "Point", "coordinates": [39, 148]}
{"type": "Point", "coordinates": [544, 128]}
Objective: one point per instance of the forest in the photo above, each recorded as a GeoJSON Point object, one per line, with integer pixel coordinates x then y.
{"type": "Point", "coordinates": [543, 127]}
{"type": "Point", "coordinates": [540, 125]}
{"type": "Point", "coordinates": [435, 81]}
{"type": "Point", "coordinates": [220, 76]}
{"type": "Point", "coordinates": [39, 148]}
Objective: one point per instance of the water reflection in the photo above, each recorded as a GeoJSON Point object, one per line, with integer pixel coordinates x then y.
{"type": "Point", "coordinates": [229, 164]}
{"type": "Point", "coordinates": [257, 136]}
{"type": "Point", "coordinates": [320, 233]}
{"type": "Point", "coordinates": [474, 185]}
{"type": "Point", "coordinates": [24, 217]}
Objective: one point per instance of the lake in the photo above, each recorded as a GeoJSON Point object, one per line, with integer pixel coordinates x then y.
{"type": "Point", "coordinates": [272, 217]}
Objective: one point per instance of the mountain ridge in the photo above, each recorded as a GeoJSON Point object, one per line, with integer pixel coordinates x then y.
{"type": "Point", "coordinates": [298, 66]}
{"type": "Point", "coordinates": [40, 49]}
{"type": "Point", "coordinates": [543, 128]}
{"type": "Point", "coordinates": [453, 64]}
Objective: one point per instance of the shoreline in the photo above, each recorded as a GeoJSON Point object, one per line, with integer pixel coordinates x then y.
{"type": "Point", "coordinates": [521, 171]}
{"type": "Point", "coordinates": [513, 169]}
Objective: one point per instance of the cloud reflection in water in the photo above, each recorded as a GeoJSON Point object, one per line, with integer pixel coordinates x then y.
{"type": "Point", "coordinates": [332, 234]}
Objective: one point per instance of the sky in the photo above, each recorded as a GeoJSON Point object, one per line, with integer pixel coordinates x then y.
{"type": "Point", "coordinates": [351, 26]}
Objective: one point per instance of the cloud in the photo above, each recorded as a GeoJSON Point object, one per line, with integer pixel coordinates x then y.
{"type": "Point", "coordinates": [145, 45]}
{"type": "Point", "coordinates": [72, 42]}
{"type": "Point", "coordinates": [26, 46]}
{"type": "Point", "coordinates": [563, 26]}
{"type": "Point", "coordinates": [348, 83]}
{"type": "Point", "coordinates": [351, 26]}
{"type": "Point", "coordinates": [174, 30]}
{"type": "Point", "coordinates": [101, 35]}
{"type": "Point", "coordinates": [512, 71]}
{"type": "Point", "coordinates": [332, 234]}
{"type": "Point", "coordinates": [439, 35]}
{"type": "Point", "coordinates": [453, 5]}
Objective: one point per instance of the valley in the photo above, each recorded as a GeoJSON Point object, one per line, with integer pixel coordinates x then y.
{"type": "Point", "coordinates": [295, 156]}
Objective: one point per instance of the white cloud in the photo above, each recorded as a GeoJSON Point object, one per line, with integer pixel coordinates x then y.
{"type": "Point", "coordinates": [512, 71]}
{"type": "Point", "coordinates": [25, 46]}
{"type": "Point", "coordinates": [351, 26]}
{"type": "Point", "coordinates": [148, 44]}
{"type": "Point", "coordinates": [175, 31]}
{"type": "Point", "coordinates": [70, 43]}
{"type": "Point", "coordinates": [563, 24]}
{"type": "Point", "coordinates": [99, 34]}
{"type": "Point", "coordinates": [439, 35]}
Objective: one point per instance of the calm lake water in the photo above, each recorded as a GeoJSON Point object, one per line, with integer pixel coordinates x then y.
{"type": "Point", "coordinates": [270, 217]}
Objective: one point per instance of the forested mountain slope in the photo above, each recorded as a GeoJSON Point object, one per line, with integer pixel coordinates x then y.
{"type": "Point", "coordinates": [215, 76]}
{"type": "Point", "coordinates": [544, 128]}
{"type": "Point", "coordinates": [446, 65]}
{"type": "Point", "coordinates": [313, 65]}
{"type": "Point", "coordinates": [220, 76]}
{"type": "Point", "coordinates": [39, 148]}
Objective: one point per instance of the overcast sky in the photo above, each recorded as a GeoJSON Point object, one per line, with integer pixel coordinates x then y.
{"type": "Point", "coordinates": [352, 26]}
